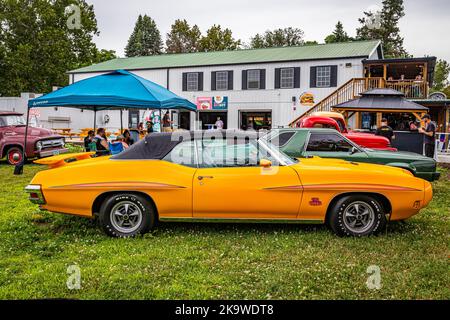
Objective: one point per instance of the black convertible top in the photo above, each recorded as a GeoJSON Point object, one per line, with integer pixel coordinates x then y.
{"type": "Point", "coordinates": [157, 145]}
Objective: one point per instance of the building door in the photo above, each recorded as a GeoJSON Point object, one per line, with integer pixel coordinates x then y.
{"type": "Point", "coordinates": [133, 118]}
{"type": "Point", "coordinates": [184, 120]}
{"type": "Point", "coordinates": [209, 118]}
{"type": "Point", "coordinates": [256, 120]}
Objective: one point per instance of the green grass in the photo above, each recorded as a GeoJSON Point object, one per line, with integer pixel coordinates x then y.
{"type": "Point", "coordinates": [214, 261]}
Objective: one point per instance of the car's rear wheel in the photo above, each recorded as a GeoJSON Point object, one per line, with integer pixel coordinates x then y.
{"type": "Point", "coordinates": [14, 156]}
{"type": "Point", "coordinates": [126, 215]}
{"type": "Point", "coordinates": [357, 215]}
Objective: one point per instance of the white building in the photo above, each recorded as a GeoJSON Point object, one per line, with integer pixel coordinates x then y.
{"type": "Point", "coordinates": [259, 88]}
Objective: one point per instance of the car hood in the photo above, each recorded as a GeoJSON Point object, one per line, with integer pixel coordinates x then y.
{"type": "Point", "coordinates": [397, 155]}
{"type": "Point", "coordinates": [343, 165]}
{"type": "Point", "coordinates": [36, 132]}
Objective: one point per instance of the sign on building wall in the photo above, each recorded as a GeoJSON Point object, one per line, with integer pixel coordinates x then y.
{"type": "Point", "coordinates": [220, 103]}
{"type": "Point", "coordinates": [307, 99]}
{"type": "Point", "coordinates": [212, 103]}
{"type": "Point", "coordinates": [204, 103]}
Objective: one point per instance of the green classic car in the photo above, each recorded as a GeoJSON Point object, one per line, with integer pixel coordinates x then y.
{"type": "Point", "coordinates": [327, 143]}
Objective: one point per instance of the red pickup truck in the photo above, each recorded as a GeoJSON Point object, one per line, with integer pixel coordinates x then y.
{"type": "Point", "coordinates": [336, 121]}
{"type": "Point", "coordinates": [40, 142]}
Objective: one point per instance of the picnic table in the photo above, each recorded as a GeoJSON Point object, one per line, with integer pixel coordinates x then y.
{"type": "Point", "coordinates": [67, 132]}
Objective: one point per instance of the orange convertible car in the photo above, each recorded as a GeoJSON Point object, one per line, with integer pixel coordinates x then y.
{"type": "Point", "coordinates": [224, 176]}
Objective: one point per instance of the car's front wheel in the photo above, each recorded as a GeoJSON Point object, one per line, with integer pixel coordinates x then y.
{"type": "Point", "coordinates": [14, 156]}
{"type": "Point", "coordinates": [357, 215]}
{"type": "Point", "coordinates": [127, 215]}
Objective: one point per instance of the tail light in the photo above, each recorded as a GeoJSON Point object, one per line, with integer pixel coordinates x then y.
{"type": "Point", "coordinates": [35, 193]}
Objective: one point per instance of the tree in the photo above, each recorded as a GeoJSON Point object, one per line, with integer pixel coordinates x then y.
{"type": "Point", "coordinates": [217, 39]}
{"type": "Point", "coordinates": [384, 26]}
{"type": "Point", "coordinates": [41, 40]}
{"type": "Point", "coordinates": [278, 38]}
{"type": "Point", "coordinates": [338, 35]}
{"type": "Point", "coordinates": [182, 38]}
{"type": "Point", "coordinates": [311, 43]}
{"type": "Point", "coordinates": [441, 73]}
{"type": "Point", "coordinates": [145, 39]}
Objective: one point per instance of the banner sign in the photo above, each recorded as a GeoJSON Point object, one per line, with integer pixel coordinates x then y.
{"type": "Point", "coordinates": [212, 103]}
{"type": "Point", "coordinates": [220, 103]}
{"type": "Point", "coordinates": [204, 103]}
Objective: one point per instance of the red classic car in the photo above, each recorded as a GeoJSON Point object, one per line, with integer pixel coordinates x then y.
{"type": "Point", "coordinates": [336, 121]}
{"type": "Point", "coordinates": [40, 142]}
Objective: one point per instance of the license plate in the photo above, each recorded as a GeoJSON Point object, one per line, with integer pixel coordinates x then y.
{"type": "Point", "coordinates": [56, 152]}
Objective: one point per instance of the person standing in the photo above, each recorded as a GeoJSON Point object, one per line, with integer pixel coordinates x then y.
{"type": "Point", "coordinates": [166, 122]}
{"type": "Point", "coordinates": [429, 135]}
{"type": "Point", "coordinates": [219, 124]}
{"type": "Point", "coordinates": [385, 130]}
{"type": "Point", "coordinates": [150, 128]}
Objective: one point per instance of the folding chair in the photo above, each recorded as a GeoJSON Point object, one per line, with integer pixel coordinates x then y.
{"type": "Point", "coordinates": [115, 148]}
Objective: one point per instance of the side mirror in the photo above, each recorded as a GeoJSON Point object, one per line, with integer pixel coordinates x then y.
{"type": "Point", "coordinates": [354, 150]}
{"type": "Point", "coordinates": [265, 163]}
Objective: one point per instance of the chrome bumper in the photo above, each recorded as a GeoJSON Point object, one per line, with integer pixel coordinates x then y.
{"type": "Point", "coordinates": [50, 153]}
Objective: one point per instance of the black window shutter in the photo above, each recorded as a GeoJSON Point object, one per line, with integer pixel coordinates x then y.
{"type": "Point", "coordinates": [213, 81]}
{"type": "Point", "coordinates": [333, 80]}
{"type": "Point", "coordinates": [184, 81]}
{"type": "Point", "coordinates": [313, 77]}
{"type": "Point", "coordinates": [277, 78]}
{"type": "Point", "coordinates": [244, 80]}
{"type": "Point", "coordinates": [262, 79]}
{"type": "Point", "coordinates": [297, 77]}
{"type": "Point", "coordinates": [200, 81]}
{"type": "Point", "coordinates": [230, 80]}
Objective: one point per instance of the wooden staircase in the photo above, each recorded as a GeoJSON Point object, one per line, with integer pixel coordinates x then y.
{"type": "Point", "coordinates": [350, 90]}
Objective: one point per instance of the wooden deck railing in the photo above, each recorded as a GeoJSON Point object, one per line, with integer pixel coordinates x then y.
{"type": "Point", "coordinates": [354, 87]}
{"type": "Point", "coordinates": [412, 89]}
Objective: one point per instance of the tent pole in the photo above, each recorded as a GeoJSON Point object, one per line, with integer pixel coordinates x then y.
{"type": "Point", "coordinates": [95, 118]}
{"type": "Point", "coordinates": [121, 123]}
{"type": "Point", "coordinates": [18, 170]}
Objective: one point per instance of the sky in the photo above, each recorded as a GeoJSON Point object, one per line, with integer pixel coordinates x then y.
{"type": "Point", "coordinates": [425, 26]}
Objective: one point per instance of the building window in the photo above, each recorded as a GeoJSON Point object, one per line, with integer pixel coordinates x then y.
{"type": "Point", "coordinates": [222, 80]}
{"type": "Point", "coordinates": [253, 79]}
{"type": "Point", "coordinates": [192, 81]}
{"type": "Point", "coordinates": [287, 78]}
{"type": "Point", "coordinates": [323, 77]}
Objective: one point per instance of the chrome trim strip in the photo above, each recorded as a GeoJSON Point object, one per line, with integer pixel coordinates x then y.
{"type": "Point", "coordinates": [241, 220]}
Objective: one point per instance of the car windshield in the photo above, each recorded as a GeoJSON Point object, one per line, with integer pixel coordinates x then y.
{"type": "Point", "coordinates": [12, 120]}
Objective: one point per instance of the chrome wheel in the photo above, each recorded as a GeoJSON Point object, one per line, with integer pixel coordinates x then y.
{"type": "Point", "coordinates": [359, 217]}
{"type": "Point", "coordinates": [126, 217]}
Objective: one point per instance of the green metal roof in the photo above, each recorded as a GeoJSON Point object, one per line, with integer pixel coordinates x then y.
{"type": "Point", "coordinates": [308, 52]}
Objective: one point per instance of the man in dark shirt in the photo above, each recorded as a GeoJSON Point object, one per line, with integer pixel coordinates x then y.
{"type": "Point", "coordinates": [429, 135]}
{"type": "Point", "coordinates": [385, 130]}
{"type": "Point", "coordinates": [88, 139]}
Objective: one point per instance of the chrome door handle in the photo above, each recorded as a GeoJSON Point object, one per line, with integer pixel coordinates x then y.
{"type": "Point", "coordinates": [204, 177]}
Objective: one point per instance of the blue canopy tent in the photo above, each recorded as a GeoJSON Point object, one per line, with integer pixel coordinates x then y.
{"type": "Point", "coordinates": [115, 90]}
